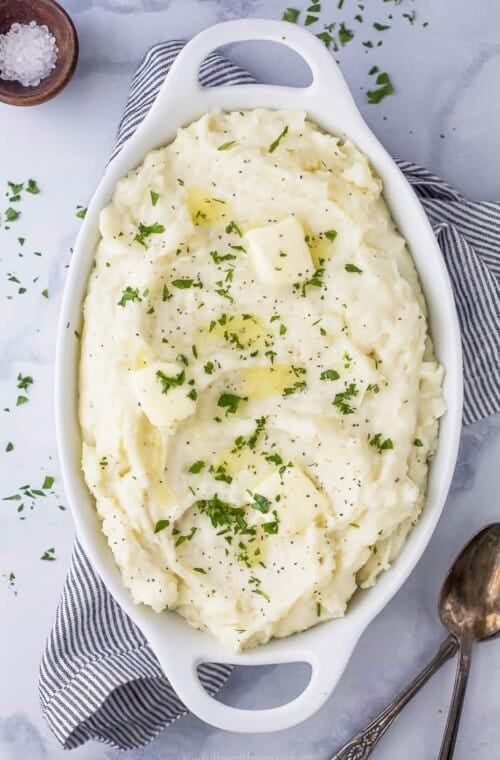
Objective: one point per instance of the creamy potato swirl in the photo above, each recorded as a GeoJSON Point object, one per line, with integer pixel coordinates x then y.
{"type": "Point", "coordinates": [258, 390]}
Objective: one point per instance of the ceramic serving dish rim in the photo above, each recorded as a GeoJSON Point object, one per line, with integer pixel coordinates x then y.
{"type": "Point", "coordinates": [328, 102]}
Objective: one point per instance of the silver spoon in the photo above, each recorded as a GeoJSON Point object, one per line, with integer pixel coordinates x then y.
{"type": "Point", "coordinates": [469, 606]}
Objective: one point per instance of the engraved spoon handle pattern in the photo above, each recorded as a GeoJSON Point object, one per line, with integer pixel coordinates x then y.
{"type": "Point", "coordinates": [362, 745]}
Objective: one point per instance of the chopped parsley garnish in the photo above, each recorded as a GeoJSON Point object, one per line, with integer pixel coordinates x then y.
{"type": "Point", "coordinates": [221, 474]}
{"type": "Point", "coordinates": [193, 394]}
{"type": "Point", "coordinates": [315, 281]}
{"type": "Point", "coordinates": [354, 525]}
{"type": "Point", "coordinates": [81, 212]}
{"type": "Point", "coordinates": [233, 227]}
{"type": "Point", "coordinates": [280, 137]}
{"type": "Point", "coordinates": [32, 187]}
{"type": "Point", "coordinates": [291, 15]}
{"type": "Point", "coordinates": [379, 444]}
{"type": "Point", "coordinates": [318, 609]}
{"type": "Point", "coordinates": [271, 527]}
{"type": "Point", "coordinates": [181, 539]}
{"type": "Point", "coordinates": [373, 387]}
{"type": "Point", "coordinates": [329, 374]}
{"type": "Point", "coordinates": [230, 402]}
{"type": "Point", "coordinates": [154, 197]}
{"type": "Point", "coordinates": [282, 330]}
{"type": "Point", "coordinates": [184, 283]}
{"type": "Point", "coordinates": [129, 294]}
{"type": "Point", "coordinates": [166, 295]}
{"type": "Point", "coordinates": [103, 463]}
{"type": "Point", "coordinates": [218, 258]}
{"type": "Point", "coordinates": [161, 525]}
{"type": "Point", "coordinates": [385, 88]}
{"type": "Point", "coordinates": [300, 385]}
{"type": "Point", "coordinates": [341, 400]}
{"type": "Point", "coordinates": [199, 570]}
{"type": "Point", "coordinates": [146, 230]}
{"type": "Point", "coordinates": [353, 268]}
{"type": "Point", "coordinates": [197, 466]}
{"type": "Point", "coordinates": [330, 234]}
{"type": "Point", "coordinates": [260, 503]}
{"type": "Point", "coordinates": [170, 382]}
{"type": "Point", "coordinates": [417, 442]}
{"type": "Point", "coordinates": [208, 368]}
{"type": "Point", "coordinates": [227, 145]}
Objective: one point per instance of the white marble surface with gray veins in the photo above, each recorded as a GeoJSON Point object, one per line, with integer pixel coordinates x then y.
{"type": "Point", "coordinates": [444, 114]}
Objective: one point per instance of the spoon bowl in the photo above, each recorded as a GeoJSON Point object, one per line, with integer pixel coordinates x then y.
{"type": "Point", "coordinates": [469, 603]}
{"type": "Point", "coordinates": [51, 14]}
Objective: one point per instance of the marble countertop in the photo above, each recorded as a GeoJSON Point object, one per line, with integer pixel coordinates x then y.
{"type": "Point", "coordinates": [444, 114]}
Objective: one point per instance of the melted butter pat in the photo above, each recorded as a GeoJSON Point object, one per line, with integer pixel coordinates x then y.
{"type": "Point", "coordinates": [249, 332]}
{"type": "Point", "coordinates": [261, 382]}
{"type": "Point", "coordinates": [204, 208]}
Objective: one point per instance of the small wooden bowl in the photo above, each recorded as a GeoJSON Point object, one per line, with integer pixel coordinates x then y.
{"type": "Point", "coordinates": [60, 25]}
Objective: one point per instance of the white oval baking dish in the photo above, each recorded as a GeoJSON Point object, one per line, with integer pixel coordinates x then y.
{"type": "Point", "coordinates": [328, 646]}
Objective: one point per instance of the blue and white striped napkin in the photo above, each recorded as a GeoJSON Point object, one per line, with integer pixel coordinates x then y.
{"type": "Point", "coordinates": [98, 677]}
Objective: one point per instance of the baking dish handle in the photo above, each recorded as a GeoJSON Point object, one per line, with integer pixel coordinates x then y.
{"type": "Point", "coordinates": [327, 80]}
{"type": "Point", "coordinates": [181, 668]}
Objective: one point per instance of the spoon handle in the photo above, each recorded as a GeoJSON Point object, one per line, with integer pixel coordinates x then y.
{"type": "Point", "coordinates": [455, 711]}
{"type": "Point", "coordinates": [363, 744]}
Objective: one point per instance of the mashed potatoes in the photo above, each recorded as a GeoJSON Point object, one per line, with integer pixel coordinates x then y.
{"type": "Point", "coordinates": [258, 391]}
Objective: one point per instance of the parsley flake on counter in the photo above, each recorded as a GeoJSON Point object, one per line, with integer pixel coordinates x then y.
{"type": "Point", "coordinates": [227, 145]}
{"type": "Point", "coordinates": [11, 215]}
{"type": "Point", "coordinates": [230, 402]}
{"type": "Point", "coordinates": [168, 382]}
{"type": "Point", "coordinates": [48, 482]}
{"type": "Point", "coordinates": [291, 15]}
{"type": "Point", "coordinates": [385, 88]}
{"type": "Point", "coordinates": [49, 555]}
{"type": "Point", "coordinates": [380, 27]}
{"type": "Point", "coordinates": [345, 34]}
{"type": "Point", "coordinates": [81, 212]}
{"type": "Point", "coordinates": [161, 525]}
{"type": "Point", "coordinates": [310, 20]}
{"type": "Point", "coordinates": [32, 187]}
{"type": "Point", "coordinates": [9, 447]}
{"type": "Point", "coordinates": [278, 140]}
{"type": "Point", "coordinates": [129, 294]}
{"type": "Point", "coordinates": [353, 268]}
{"type": "Point", "coordinates": [24, 382]}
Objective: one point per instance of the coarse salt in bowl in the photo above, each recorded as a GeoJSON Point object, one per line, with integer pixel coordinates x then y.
{"type": "Point", "coordinates": [38, 51]}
